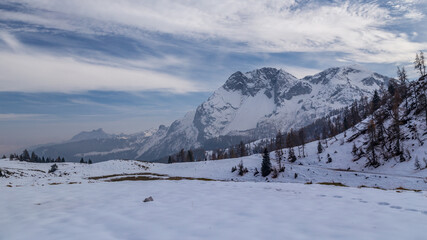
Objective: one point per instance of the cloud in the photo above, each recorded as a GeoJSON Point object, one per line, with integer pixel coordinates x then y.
{"type": "Point", "coordinates": [17, 116]}
{"type": "Point", "coordinates": [27, 70]}
{"type": "Point", "coordinates": [361, 30]}
{"type": "Point", "coordinates": [45, 73]}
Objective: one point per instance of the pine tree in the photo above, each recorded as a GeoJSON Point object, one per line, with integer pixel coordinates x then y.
{"type": "Point", "coordinates": [242, 149]}
{"type": "Point", "coordinates": [190, 156]}
{"type": "Point", "coordinates": [82, 161]}
{"type": "Point", "coordinates": [375, 101]}
{"type": "Point", "coordinates": [319, 147]}
{"type": "Point", "coordinates": [301, 135]}
{"type": "Point", "coordinates": [279, 157]}
{"type": "Point", "coordinates": [266, 164]}
{"type": "Point", "coordinates": [354, 150]}
{"type": "Point", "coordinates": [403, 78]}
{"type": "Point", "coordinates": [372, 142]}
{"type": "Point", "coordinates": [25, 156]}
{"type": "Point", "coordinates": [4, 156]}
{"type": "Point", "coordinates": [419, 64]}
{"type": "Point", "coordinates": [170, 159]}
{"type": "Point", "coordinates": [90, 161]}
{"type": "Point", "coordinates": [181, 155]}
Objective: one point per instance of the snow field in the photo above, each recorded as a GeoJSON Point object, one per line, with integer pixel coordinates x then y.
{"type": "Point", "coordinates": [209, 210]}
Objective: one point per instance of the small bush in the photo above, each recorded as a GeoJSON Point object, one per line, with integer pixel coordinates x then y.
{"type": "Point", "coordinates": [53, 168]}
{"type": "Point", "coordinates": [242, 169]}
{"type": "Point", "coordinates": [275, 173]}
{"type": "Point", "coordinates": [233, 169]}
{"type": "Point", "coordinates": [256, 172]}
{"type": "Point", "coordinates": [329, 159]}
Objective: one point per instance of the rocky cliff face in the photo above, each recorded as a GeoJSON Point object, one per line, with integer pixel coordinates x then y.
{"type": "Point", "coordinates": [253, 105]}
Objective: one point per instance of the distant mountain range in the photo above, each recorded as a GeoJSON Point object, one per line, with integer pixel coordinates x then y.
{"type": "Point", "coordinates": [248, 106]}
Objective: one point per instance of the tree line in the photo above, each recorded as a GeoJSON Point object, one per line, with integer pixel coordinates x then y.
{"type": "Point", "coordinates": [26, 157]}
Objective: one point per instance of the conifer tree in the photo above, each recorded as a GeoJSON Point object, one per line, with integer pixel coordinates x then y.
{"type": "Point", "coordinates": [266, 164]}
{"type": "Point", "coordinates": [90, 161]}
{"type": "Point", "coordinates": [375, 101]}
{"type": "Point", "coordinates": [190, 156]}
{"type": "Point", "coordinates": [25, 156]}
{"type": "Point", "coordinates": [242, 149]}
{"type": "Point", "coordinates": [82, 161]}
{"type": "Point", "coordinates": [319, 147]}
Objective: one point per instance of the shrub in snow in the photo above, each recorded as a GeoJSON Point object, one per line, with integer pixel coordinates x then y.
{"type": "Point", "coordinates": [242, 169]}
{"type": "Point", "coordinates": [256, 172]}
{"type": "Point", "coordinates": [329, 159]}
{"type": "Point", "coordinates": [233, 169]}
{"type": "Point", "coordinates": [53, 168]}
{"type": "Point", "coordinates": [295, 175]}
{"type": "Point", "coordinates": [149, 199]}
{"type": "Point", "coordinates": [266, 164]}
{"type": "Point", "coordinates": [417, 163]}
{"type": "Point", "coordinates": [275, 173]}
{"type": "Point", "coordinates": [291, 155]}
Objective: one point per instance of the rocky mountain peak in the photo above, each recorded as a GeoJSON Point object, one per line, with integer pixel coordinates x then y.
{"type": "Point", "coordinates": [94, 134]}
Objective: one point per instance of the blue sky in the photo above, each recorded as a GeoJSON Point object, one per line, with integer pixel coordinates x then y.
{"type": "Point", "coordinates": [126, 66]}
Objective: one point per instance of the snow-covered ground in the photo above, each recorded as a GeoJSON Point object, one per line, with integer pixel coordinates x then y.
{"type": "Point", "coordinates": [209, 210]}
{"type": "Point", "coordinates": [82, 201]}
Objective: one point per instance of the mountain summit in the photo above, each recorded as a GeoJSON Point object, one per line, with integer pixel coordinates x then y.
{"type": "Point", "coordinates": [248, 106]}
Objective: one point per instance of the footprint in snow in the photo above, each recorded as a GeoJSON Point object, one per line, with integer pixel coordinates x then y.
{"type": "Point", "coordinates": [411, 210]}
{"type": "Point", "coordinates": [337, 196]}
{"type": "Point", "coordinates": [363, 201]}
{"type": "Point", "coordinates": [396, 207]}
{"type": "Point", "coordinates": [384, 203]}
{"type": "Point", "coordinates": [321, 195]}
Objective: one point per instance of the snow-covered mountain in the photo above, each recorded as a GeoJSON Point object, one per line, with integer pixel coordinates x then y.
{"type": "Point", "coordinates": [248, 106]}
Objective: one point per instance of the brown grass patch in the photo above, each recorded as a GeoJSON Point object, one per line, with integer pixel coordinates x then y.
{"type": "Point", "coordinates": [126, 174]}
{"type": "Point", "coordinates": [406, 189]}
{"type": "Point", "coordinates": [338, 184]}
{"type": "Point", "coordinates": [149, 178]}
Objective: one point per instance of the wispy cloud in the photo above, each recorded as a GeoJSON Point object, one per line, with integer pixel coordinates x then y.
{"type": "Point", "coordinates": [359, 29]}
{"type": "Point", "coordinates": [16, 116]}
{"type": "Point", "coordinates": [28, 70]}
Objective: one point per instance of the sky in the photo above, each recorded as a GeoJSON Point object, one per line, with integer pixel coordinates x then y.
{"type": "Point", "coordinates": [126, 66]}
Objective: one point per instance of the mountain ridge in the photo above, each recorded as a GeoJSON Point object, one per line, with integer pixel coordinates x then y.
{"type": "Point", "coordinates": [247, 106]}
